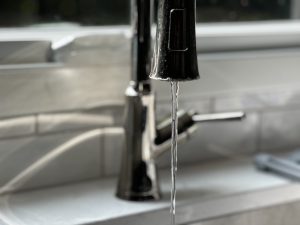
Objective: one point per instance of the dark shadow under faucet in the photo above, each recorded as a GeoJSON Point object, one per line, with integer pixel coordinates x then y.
{"type": "Point", "coordinates": [174, 59]}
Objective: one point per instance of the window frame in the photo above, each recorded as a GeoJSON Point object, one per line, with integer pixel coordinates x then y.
{"type": "Point", "coordinates": [211, 37]}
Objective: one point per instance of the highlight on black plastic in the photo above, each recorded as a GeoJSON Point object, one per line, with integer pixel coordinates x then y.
{"type": "Point", "coordinates": [175, 54]}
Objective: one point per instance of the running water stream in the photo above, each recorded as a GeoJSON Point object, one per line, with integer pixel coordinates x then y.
{"type": "Point", "coordinates": [174, 90]}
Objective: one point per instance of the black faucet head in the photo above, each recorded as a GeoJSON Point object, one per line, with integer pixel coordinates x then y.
{"type": "Point", "coordinates": [175, 55]}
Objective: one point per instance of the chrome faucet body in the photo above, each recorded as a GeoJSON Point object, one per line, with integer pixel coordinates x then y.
{"type": "Point", "coordinates": [138, 175]}
{"type": "Point", "coordinates": [144, 140]}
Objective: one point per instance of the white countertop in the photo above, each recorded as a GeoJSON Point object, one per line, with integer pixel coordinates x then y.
{"type": "Point", "coordinates": [95, 201]}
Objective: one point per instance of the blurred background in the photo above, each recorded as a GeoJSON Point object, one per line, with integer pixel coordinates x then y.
{"type": "Point", "coordinates": [116, 12]}
{"type": "Point", "coordinates": [64, 68]}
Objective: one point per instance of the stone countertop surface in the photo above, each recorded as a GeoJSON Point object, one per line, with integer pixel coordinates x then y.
{"type": "Point", "coordinates": [94, 202]}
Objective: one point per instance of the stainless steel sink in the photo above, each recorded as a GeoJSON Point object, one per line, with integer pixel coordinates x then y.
{"type": "Point", "coordinates": [276, 206]}
{"type": "Point", "coordinates": [284, 214]}
{"type": "Point", "coordinates": [221, 192]}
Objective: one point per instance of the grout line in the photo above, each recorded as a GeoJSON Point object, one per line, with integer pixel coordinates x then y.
{"type": "Point", "coordinates": [36, 125]}
{"type": "Point", "coordinates": [102, 146]}
{"type": "Point", "coordinates": [98, 107]}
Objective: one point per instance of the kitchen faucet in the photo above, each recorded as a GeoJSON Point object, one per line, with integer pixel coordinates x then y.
{"type": "Point", "coordinates": [174, 59]}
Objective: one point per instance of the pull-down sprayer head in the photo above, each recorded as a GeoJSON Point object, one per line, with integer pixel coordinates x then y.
{"type": "Point", "coordinates": [175, 55]}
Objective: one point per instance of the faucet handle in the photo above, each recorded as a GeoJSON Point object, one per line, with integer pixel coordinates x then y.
{"type": "Point", "coordinates": [186, 120]}
{"type": "Point", "coordinates": [215, 117]}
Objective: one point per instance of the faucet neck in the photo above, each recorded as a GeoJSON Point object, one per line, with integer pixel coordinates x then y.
{"type": "Point", "coordinates": [141, 20]}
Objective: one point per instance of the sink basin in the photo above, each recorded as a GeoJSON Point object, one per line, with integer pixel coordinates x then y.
{"type": "Point", "coordinates": [284, 214]}
{"type": "Point", "coordinates": [222, 192]}
{"type": "Point", "coordinates": [276, 206]}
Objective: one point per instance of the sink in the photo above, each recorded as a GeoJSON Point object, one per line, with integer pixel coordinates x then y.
{"type": "Point", "coordinates": [276, 206]}
{"type": "Point", "coordinates": [213, 193]}
{"type": "Point", "coordinates": [283, 214]}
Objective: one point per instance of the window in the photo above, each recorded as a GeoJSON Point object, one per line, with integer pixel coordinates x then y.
{"type": "Point", "coordinates": [83, 12]}
{"type": "Point", "coordinates": [242, 10]}
{"type": "Point", "coordinates": [116, 12]}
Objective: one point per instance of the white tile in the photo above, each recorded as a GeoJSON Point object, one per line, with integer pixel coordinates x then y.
{"type": "Point", "coordinates": [99, 49]}
{"type": "Point", "coordinates": [280, 130]}
{"type": "Point", "coordinates": [60, 88]}
{"type": "Point", "coordinates": [263, 100]}
{"type": "Point", "coordinates": [113, 147]}
{"type": "Point", "coordinates": [99, 117]}
{"type": "Point", "coordinates": [249, 101]}
{"type": "Point", "coordinates": [199, 105]}
{"type": "Point", "coordinates": [22, 52]}
{"type": "Point", "coordinates": [49, 160]}
{"type": "Point", "coordinates": [18, 126]}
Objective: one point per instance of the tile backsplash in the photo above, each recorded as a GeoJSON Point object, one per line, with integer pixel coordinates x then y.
{"type": "Point", "coordinates": [56, 148]}
{"type": "Point", "coordinates": [40, 161]}
{"type": "Point", "coordinates": [62, 122]}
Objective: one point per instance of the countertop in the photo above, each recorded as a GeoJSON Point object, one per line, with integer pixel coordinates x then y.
{"type": "Point", "coordinates": [94, 202]}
